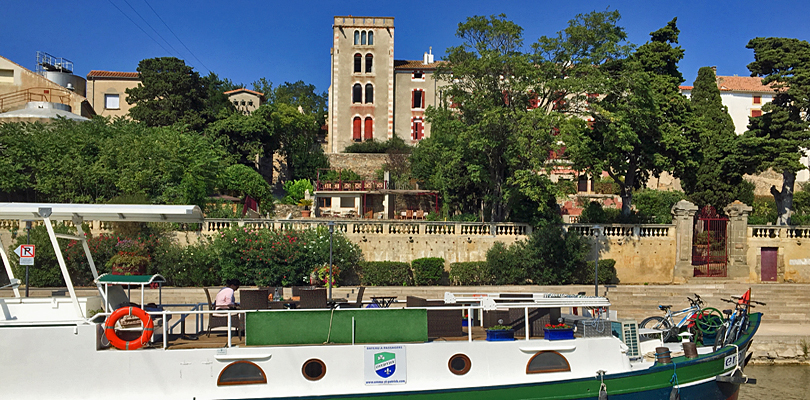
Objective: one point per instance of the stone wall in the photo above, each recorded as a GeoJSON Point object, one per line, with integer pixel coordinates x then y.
{"type": "Point", "coordinates": [364, 165]}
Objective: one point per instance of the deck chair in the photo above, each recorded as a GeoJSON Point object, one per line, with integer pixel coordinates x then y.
{"type": "Point", "coordinates": [359, 302]}
{"type": "Point", "coordinates": [313, 298]}
{"type": "Point", "coordinates": [218, 321]}
{"type": "Point", "coordinates": [409, 214]}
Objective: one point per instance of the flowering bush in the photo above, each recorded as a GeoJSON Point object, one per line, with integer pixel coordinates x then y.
{"type": "Point", "coordinates": [320, 275]}
{"type": "Point", "coordinates": [558, 327]}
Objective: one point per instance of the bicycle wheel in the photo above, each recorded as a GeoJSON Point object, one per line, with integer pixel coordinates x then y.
{"type": "Point", "coordinates": [657, 323]}
{"type": "Point", "coordinates": [709, 320]}
{"type": "Point", "coordinates": [720, 338]}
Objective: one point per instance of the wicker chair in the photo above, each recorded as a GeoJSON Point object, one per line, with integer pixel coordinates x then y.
{"type": "Point", "coordinates": [218, 321]}
{"type": "Point", "coordinates": [440, 323]}
{"type": "Point", "coordinates": [359, 302]}
{"type": "Point", "coordinates": [313, 298]}
{"type": "Point", "coordinates": [254, 299]}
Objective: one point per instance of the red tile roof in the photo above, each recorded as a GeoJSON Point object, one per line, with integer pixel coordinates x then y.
{"type": "Point", "coordinates": [685, 87]}
{"type": "Point", "coordinates": [113, 74]}
{"type": "Point", "coordinates": [415, 64]}
{"type": "Point", "coordinates": [260, 94]}
{"type": "Point", "coordinates": [742, 84]}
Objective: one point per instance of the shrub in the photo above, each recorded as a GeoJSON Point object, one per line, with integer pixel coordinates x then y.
{"type": "Point", "coordinates": [763, 211]}
{"type": "Point", "coordinates": [655, 206]}
{"type": "Point", "coordinates": [593, 214]}
{"type": "Point", "coordinates": [607, 272]}
{"type": "Point", "coordinates": [428, 271]}
{"type": "Point", "coordinates": [295, 190]}
{"type": "Point", "coordinates": [470, 273]}
{"type": "Point", "coordinates": [504, 263]}
{"type": "Point", "coordinates": [385, 273]}
{"type": "Point", "coordinates": [605, 186]}
{"type": "Point", "coordinates": [393, 145]}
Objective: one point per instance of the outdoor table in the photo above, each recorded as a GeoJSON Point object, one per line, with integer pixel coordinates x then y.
{"type": "Point", "coordinates": [336, 302]}
{"type": "Point", "coordinates": [290, 304]}
{"type": "Point", "coordinates": [383, 301]}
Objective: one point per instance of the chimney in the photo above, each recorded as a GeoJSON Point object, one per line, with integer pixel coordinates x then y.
{"type": "Point", "coordinates": [428, 58]}
{"type": "Point", "coordinates": [714, 68]}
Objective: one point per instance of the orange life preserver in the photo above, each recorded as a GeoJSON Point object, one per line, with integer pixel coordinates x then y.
{"type": "Point", "coordinates": [109, 328]}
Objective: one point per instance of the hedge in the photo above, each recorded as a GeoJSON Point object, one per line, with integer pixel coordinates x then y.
{"type": "Point", "coordinates": [428, 271]}
{"type": "Point", "coordinates": [470, 273]}
{"type": "Point", "coordinates": [385, 273]}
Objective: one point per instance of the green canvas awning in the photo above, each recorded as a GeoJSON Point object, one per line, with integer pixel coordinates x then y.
{"type": "Point", "coordinates": [142, 280]}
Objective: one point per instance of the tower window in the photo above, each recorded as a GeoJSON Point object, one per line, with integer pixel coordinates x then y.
{"type": "Point", "coordinates": [356, 37]}
{"type": "Point", "coordinates": [358, 61]}
{"type": "Point", "coordinates": [369, 62]}
{"type": "Point", "coordinates": [363, 38]}
{"type": "Point", "coordinates": [357, 93]}
{"type": "Point", "coordinates": [370, 38]}
{"type": "Point", "coordinates": [369, 93]}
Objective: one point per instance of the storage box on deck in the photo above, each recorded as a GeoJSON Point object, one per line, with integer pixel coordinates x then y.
{"type": "Point", "coordinates": [589, 327]}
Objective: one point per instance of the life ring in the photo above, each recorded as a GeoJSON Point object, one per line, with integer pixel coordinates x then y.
{"type": "Point", "coordinates": [148, 328]}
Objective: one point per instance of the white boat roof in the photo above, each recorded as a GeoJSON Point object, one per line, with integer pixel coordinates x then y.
{"type": "Point", "coordinates": [102, 212]}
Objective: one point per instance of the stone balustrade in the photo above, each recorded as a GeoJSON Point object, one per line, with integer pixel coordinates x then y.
{"type": "Point", "coordinates": [778, 232]}
{"type": "Point", "coordinates": [374, 227]}
{"type": "Point", "coordinates": [624, 230]}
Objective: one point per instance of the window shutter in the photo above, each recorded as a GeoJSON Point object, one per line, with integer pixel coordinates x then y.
{"type": "Point", "coordinates": [356, 134]}
{"type": "Point", "coordinates": [369, 134]}
{"type": "Point", "coordinates": [756, 113]}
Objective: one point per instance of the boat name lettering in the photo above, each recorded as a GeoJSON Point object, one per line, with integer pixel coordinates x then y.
{"type": "Point", "coordinates": [730, 361]}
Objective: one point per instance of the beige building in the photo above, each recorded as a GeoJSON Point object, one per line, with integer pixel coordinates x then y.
{"type": "Point", "coordinates": [244, 100]}
{"type": "Point", "coordinates": [372, 95]}
{"type": "Point", "coordinates": [55, 87]}
{"type": "Point", "coordinates": [107, 91]}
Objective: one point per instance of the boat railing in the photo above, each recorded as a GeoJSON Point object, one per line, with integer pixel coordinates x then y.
{"type": "Point", "coordinates": [469, 308]}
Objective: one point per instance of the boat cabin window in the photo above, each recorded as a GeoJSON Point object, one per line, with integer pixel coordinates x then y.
{"type": "Point", "coordinates": [314, 369]}
{"type": "Point", "coordinates": [241, 373]}
{"type": "Point", "coordinates": [459, 364]}
{"type": "Point", "coordinates": [547, 361]}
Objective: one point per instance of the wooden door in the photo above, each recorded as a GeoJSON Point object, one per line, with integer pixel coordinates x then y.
{"type": "Point", "coordinates": [769, 260]}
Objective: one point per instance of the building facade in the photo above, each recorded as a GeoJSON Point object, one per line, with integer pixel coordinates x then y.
{"type": "Point", "coordinates": [244, 100]}
{"type": "Point", "coordinates": [372, 95]}
{"type": "Point", "coordinates": [56, 84]}
{"type": "Point", "coordinates": [107, 91]}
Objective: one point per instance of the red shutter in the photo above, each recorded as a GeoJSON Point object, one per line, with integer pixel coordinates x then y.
{"type": "Point", "coordinates": [356, 134]}
{"type": "Point", "coordinates": [756, 113]}
{"type": "Point", "coordinates": [413, 104]}
{"type": "Point", "coordinates": [423, 99]}
{"type": "Point", "coordinates": [369, 126]}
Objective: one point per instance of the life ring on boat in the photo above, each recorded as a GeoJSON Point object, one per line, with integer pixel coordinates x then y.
{"type": "Point", "coordinates": [148, 328]}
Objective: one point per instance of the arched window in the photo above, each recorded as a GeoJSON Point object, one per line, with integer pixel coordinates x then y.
{"type": "Point", "coordinates": [547, 361]}
{"type": "Point", "coordinates": [369, 62]}
{"type": "Point", "coordinates": [368, 131]}
{"type": "Point", "coordinates": [357, 93]}
{"type": "Point", "coordinates": [363, 37]}
{"type": "Point", "coordinates": [370, 38]}
{"type": "Point", "coordinates": [356, 37]}
{"type": "Point", "coordinates": [356, 129]}
{"type": "Point", "coordinates": [358, 61]}
{"type": "Point", "coordinates": [369, 93]}
{"type": "Point", "coordinates": [418, 98]}
{"type": "Point", "coordinates": [418, 129]}
{"type": "Point", "coordinates": [241, 373]}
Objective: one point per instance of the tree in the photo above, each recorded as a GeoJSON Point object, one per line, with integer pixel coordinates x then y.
{"type": "Point", "coordinates": [641, 124]}
{"type": "Point", "coordinates": [298, 133]}
{"type": "Point", "coordinates": [169, 92]}
{"type": "Point", "coordinates": [217, 104]}
{"type": "Point", "coordinates": [776, 139]}
{"type": "Point", "coordinates": [300, 94]}
{"type": "Point", "coordinates": [718, 178]}
{"type": "Point", "coordinates": [246, 137]}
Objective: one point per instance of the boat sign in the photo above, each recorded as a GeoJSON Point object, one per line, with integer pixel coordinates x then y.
{"type": "Point", "coordinates": [26, 254]}
{"type": "Point", "coordinates": [730, 361]}
{"type": "Point", "coordinates": [385, 365]}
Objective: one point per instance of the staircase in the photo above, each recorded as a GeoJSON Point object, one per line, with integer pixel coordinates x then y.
{"type": "Point", "coordinates": [9, 101]}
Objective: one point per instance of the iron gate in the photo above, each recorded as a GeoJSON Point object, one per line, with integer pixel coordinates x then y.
{"type": "Point", "coordinates": [709, 254]}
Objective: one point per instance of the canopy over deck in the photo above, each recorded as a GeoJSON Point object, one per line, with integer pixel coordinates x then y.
{"type": "Point", "coordinates": [111, 279]}
{"type": "Point", "coordinates": [101, 212]}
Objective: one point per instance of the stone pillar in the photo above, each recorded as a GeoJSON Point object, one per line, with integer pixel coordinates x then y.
{"type": "Point", "coordinates": [683, 216]}
{"type": "Point", "coordinates": [737, 239]}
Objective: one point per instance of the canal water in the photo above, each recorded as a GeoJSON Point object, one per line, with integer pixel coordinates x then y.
{"type": "Point", "coordinates": [777, 382]}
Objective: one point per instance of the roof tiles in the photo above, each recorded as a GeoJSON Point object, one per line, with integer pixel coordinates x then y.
{"type": "Point", "coordinates": [113, 74]}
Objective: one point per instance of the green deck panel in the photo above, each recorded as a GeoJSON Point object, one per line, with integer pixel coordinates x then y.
{"type": "Point", "coordinates": [111, 279]}
{"type": "Point", "coordinates": [312, 326]}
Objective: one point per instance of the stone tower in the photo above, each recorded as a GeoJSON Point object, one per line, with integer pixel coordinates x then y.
{"type": "Point", "coordinates": [361, 93]}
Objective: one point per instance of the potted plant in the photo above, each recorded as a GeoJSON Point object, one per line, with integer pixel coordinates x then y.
{"type": "Point", "coordinates": [306, 203]}
{"type": "Point", "coordinates": [498, 333]}
{"type": "Point", "coordinates": [131, 259]}
{"type": "Point", "coordinates": [561, 331]}
{"type": "Point", "coordinates": [320, 276]}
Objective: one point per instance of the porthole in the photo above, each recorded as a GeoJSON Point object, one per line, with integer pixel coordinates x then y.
{"type": "Point", "coordinates": [241, 373]}
{"type": "Point", "coordinates": [547, 361]}
{"type": "Point", "coordinates": [459, 364]}
{"type": "Point", "coordinates": [314, 369]}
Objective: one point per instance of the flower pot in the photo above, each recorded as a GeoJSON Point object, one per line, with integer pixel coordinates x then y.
{"type": "Point", "coordinates": [558, 334]}
{"type": "Point", "coordinates": [497, 335]}
{"type": "Point", "coordinates": [306, 213]}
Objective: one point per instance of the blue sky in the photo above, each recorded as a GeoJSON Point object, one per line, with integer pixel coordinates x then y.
{"type": "Point", "coordinates": [290, 40]}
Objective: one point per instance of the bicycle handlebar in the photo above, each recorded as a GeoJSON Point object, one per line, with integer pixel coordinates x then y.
{"type": "Point", "coordinates": [759, 302]}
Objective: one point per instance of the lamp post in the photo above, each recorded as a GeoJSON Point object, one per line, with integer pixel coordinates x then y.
{"type": "Point", "coordinates": [596, 229]}
{"type": "Point", "coordinates": [331, 233]}
{"type": "Point", "coordinates": [27, 241]}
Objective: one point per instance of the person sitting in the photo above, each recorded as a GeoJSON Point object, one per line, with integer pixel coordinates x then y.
{"type": "Point", "coordinates": [226, 298]}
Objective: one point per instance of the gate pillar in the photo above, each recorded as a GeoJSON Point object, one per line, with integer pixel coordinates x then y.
{"type": "Point", "coordinates": [737, 239]}
{"type": "Point", "coordinates": [683, 216]}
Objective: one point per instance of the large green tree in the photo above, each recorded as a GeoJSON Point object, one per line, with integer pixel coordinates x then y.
{"type": "Point", "coordinates": [777, 138]}
{"type": "Point", "coordinates": [641, 122]}
{"type": "Point", "coordinates": [169, 92]}
{"type": "Point", "coordinates": [486, 150]}
{"type": "Point", "coordinates": [718, 178]}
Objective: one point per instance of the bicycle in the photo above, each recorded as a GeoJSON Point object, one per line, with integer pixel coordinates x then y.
{"type": "Point", "coordinates": [706, 320]}
{"type": "Point", "coordinates": [737, 321]}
